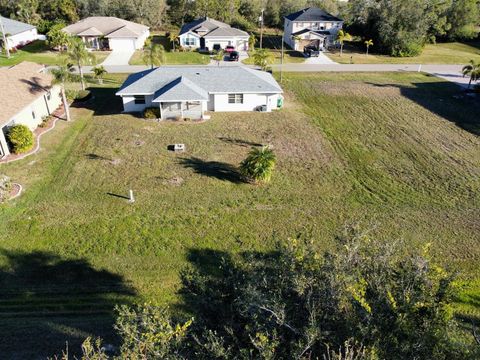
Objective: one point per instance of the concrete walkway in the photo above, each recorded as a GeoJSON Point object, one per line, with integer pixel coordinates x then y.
{"type": "Point", "coordinates": [118, 58]}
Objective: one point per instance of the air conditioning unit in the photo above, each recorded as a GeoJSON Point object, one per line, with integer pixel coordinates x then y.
{"type": "Point", "coordinates": [179, 147]}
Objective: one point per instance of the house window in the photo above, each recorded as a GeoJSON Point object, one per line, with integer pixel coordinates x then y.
{"type": "Point", "coordinates": [49, 96]}
{"type": "Point", "coordinates": [235, 98]}
{"type": "Point", "coordinates": [33, 114]}
{"type": "Point", "coordinates": [139, 99]}
{"type": "Point", "coordinates": [190, 41]}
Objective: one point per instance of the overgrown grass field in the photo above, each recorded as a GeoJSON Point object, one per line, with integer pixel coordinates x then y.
{"type": "Point", "coordinates": [396, 153]}
{"type": "Point", "coordinates": [440, 53]}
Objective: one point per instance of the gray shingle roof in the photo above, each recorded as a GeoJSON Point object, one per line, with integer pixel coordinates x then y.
{"type": "Point", "coordinates": [312, 14]}
{"type": "Point", "coordinates": [180, 89]}
{"type": "Point", "coordinates": [211, 28]}
{"type": "Point", "coordinates": [107, 25]}
{"type": "Point", "coordinates": [210, 79]}
{"type": "Point", "coordinates": [14, 27]}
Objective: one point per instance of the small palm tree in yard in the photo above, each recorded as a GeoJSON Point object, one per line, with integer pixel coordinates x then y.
{"type": "Point", "coordinates": [258, 165]}
{"type": "Point", "coordinates": [343, 36]}
{"type": "Point", "coordinates": [153, 54]}
{"type": "Point", "coordinates": [61, 75]}
{"type": "Point", "coordinates": [251, 42]}
{"type": "Point", "coordinates": [472, 70]}
{"type": "Point", "coordinates": [78, 54]}
{"type": "Point", "coordinates": [172, 37]}
{"type": "Point", "coordinates": [219, 55]}
{"type": "Point", "coordinates": [368, 43]}
{"type": "Point", "coordinates": [99, 72]}
{"type": "Point", "coordinates": [263, 58]}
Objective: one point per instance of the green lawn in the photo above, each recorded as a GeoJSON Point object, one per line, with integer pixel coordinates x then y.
{"type": "Point", "coordinates": [441, 53]}
{"type": "Point", "coordinates": [38, 52]}
{"type": "Point", "coordinates": [396, 153]}
{"type": "Point", "coordinates": [273, 43]}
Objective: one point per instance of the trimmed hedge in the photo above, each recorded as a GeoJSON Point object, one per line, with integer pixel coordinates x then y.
{"type": "Point", "coordinates": [151, 113]}
{"type": "Point", "coordinates": [20, 138]}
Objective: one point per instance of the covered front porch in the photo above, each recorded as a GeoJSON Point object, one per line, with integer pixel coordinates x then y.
{"type": "Point", "coordinates": [193, 110]}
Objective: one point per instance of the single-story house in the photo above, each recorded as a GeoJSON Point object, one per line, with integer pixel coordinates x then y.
{"type": "Point", "coordinates": [311, 27]}
{"type": "Point", "coordinates": [18, 33]}
{"type": "Point", "coordinates": [28, 97]}
{"type": "Point", "coordinates": [188, 92]}
{"type": "Point", "coordinates": [102, 32]}
{"type": "Point", "coordinates": [211, 34]}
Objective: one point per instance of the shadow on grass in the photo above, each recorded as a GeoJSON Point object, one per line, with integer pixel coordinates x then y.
{"type": "Point", "coordinates": [214, 169]}
{"type": "Point", "coordinates": [445, 99]}
{"type": "Point", "coordinates": [92, 156]}
{"type": "Point", "coordinates": [46, 301]}
{"type": "Point", "coordinates": [103, 101]}
{"type": "Point", "coordinates": [239, 142]}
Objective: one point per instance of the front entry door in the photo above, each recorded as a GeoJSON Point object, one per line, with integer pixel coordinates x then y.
{"type": "Point", "coordinates": [202, 43]}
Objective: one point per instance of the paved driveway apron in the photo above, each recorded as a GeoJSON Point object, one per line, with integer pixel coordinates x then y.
{"type": "Point", "coordinates": [118, 58]}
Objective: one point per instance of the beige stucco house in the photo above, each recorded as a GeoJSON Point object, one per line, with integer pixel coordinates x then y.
{"type": "Point", "coordinates": [27, 97]}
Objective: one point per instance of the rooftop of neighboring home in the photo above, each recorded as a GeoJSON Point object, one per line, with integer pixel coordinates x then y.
{"type": "Point", "coordinates": [312, 14]}
{"type": "Point", "coordinates": [110, 27]}
{"type": "Point", "coordinates": [23, 83]}
{"type": "Point", "coordinates": [195, 83]}
{"type": "Point", "coordinates": [13, 27]}
{"type": "Point", "coordinates": [207, 27]}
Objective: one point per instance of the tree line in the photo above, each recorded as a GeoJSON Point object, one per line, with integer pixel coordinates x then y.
{"type": "Point", "coordinates": [365, 300]}
{"type": "Point", "coordinates": [397, 27]}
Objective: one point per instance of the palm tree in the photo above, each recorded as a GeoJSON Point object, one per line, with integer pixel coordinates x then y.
{"type": "Point", "coordinates": [343, 36]}
{"type": "Point", "coordinates": [173, 36]}
{"type": "Point", "coordinates": [153, 54]}
{"type": "Point", "coordinates": [78, 54]}
{"type": "Point", "coordinates": [472, 70]}
{"type": "Point", "coordinates": [263, 58]}
{"type": "Point", "coordinates": [368, 43]}
{"type": "Point", "coordinates": [4, 39]}
{"type": "Point", "coordinates": [259, 164]}
{"type": "Point", "coordinates": [61, 75]}
{"type": "Point", "coordinates": [99, 72]}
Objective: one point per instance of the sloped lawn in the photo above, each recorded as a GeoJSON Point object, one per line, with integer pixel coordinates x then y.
{"type": "Point", "coordinates": [396, 153]}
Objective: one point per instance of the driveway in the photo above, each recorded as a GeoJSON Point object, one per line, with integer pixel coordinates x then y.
{"type": "Point", "coordinates": [321, 59]}
{"type": "Point", "coordinates": [118, 58]}
{"type": "Point", "coordinates": [225, 62]}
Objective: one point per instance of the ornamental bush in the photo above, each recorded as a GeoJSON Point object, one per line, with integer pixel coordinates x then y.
{"type": "Point", "coordinates": [20, 138]}
{"type": "Point", "coordinates": [151, 113]}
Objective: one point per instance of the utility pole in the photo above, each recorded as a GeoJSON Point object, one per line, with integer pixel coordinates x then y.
{"type": "Point", "coordinates": [261, 30]}
{"type": "Point", "coordinates": [281, 63]}
{"type": "Point", "coordinates": [4, 36]}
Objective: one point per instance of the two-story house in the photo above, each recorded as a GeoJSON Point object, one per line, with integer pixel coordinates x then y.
{"type": "Point", "coordinates": [311, 27]}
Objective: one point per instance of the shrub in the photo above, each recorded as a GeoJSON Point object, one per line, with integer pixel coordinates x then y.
{"type": "Point", "coordinates": [151, 113]}
{"type": "Point", "coordinates": [20, 138]}
{"type": "Point", "coordinates": [259, 165]}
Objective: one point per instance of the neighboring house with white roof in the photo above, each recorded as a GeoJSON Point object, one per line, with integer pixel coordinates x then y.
{"type": "Point", "coordinates": [206, 33]}
{"type": "Point", "coordinates": [188, 92]}
{"type": "Point", "coordinates": [311, 27]}
{"type": "Point", "coordinates": [18, 33]}
{"type": "Point", "coordinates": [101, 32]}
{"type": "Point", "coordinates": [28, 97]}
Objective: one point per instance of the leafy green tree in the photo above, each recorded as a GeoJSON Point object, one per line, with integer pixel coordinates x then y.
{"type": "Point", "coordinates": [368, 43]}
{"type": "Point", "coordinates": [56, 37]}
{"type": "Point", "coordinates": [259, 164]}
{"type": "Point", "coordinates": [218, 57]}
{"type": "Point", "coordinates": [153, 54]}
{"type": "Point", "coordinates": [78, 54]}
{"type": "Point", "coordinates": [463, 18]}
{"type": "Point", "coordinates": [343, 36]}
{"type": "Point", "coordinates": [27, 11]}
{"type": "Point", "coordinates": [263, 58]}
{"type": "Point", "coordinates": [473, 71]}
{"type": "Point", "coordinates": [251, 42]}
{"type": "Point", "coordinates": [62, 75]}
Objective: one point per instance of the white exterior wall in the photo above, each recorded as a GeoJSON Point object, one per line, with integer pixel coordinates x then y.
{"type": "Point", "coordinates": [41, 107]}
{"type": "Point", "coordinates": [291, 27]}
{"type": "Point", "coordinates": [22, 38]}
{"type": "Point", "coordinates": [122, 44]}
{"type": "Point", "coordinates": [250, 102]}
{"type": "Point", "coordinates": [140, 42]}
{"type": "Point", "coordinates": [183, 37]}
{"type": "Point", "coordinates": [287, 33]}
{"type": "Point", "coordinates": [130, 106]}
{"type": "Point", "coordinates": [240, 43]}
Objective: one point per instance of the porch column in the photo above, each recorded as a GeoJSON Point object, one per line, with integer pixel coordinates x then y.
{"type": "Point", "coordinates": [160, 107]}
{"type": "Point", "coordinates": [202, 104]}
{"type": "Point", "coordinates": [181, 109]}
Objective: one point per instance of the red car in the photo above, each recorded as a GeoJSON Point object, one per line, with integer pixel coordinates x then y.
{"type": "Point", "coordinates": [229, 48]}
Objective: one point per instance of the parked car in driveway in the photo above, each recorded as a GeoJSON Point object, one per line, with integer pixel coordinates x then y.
{"type": "Point", "coordinates": [311, 51]}
{"type": "Point", "coordinates": [229, 48]}
{"type": "Point", "coordinates": [234, 56]}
